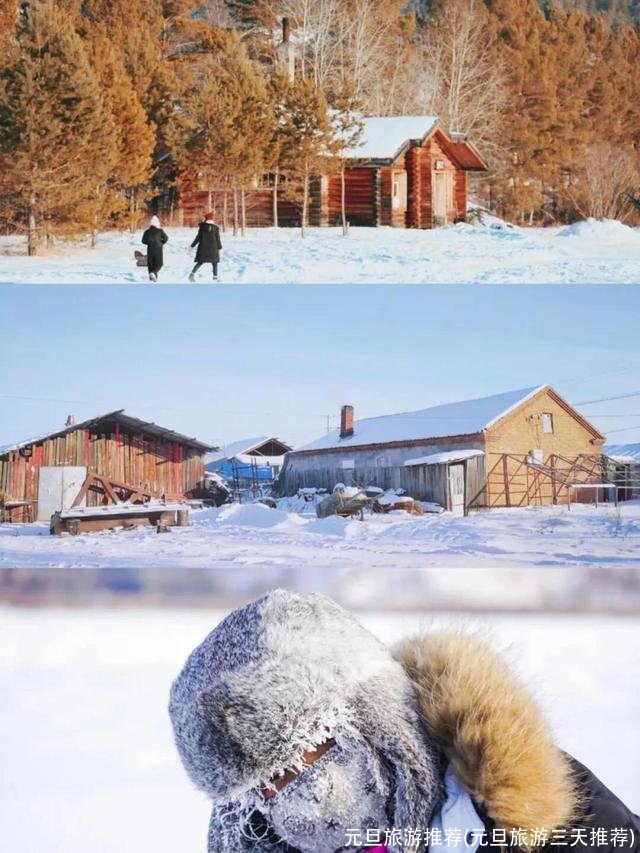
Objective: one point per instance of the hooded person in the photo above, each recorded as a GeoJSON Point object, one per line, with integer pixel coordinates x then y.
{"type": "Point", "coordinates": [309, 735]}
{"type": "Point", "coordinates": [209, 244]}
{"type": "Point", "coordinates": [154, 239]}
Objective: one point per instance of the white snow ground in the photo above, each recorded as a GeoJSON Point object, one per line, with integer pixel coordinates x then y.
{"type": "Point", "coordinates": [88, 763]}
{"type": "Point", "coordinates": [291, 537]}
{"type": "Point", "coordinates": [586, 252]}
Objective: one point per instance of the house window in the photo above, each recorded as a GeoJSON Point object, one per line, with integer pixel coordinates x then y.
{"type": "Point", "coordinates": [547, 422]}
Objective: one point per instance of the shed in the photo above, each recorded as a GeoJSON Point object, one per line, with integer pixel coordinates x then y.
{"type": "Point", "coordinates": [45, 474]}
{"type": "Point", "coordinates": [624, 467]}
{"type": "Point", "coordinates": [516, 448]}
{"type": "Point", "coordinates": [249, 463]}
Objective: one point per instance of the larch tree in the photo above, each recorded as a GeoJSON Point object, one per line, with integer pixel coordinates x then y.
{"type": "Point", "coordinates": [348, 128]}
{"type": "Point", "coordinates": [227, 127]}
{"type": "Point", "coordinates": [57, 139]}
{"type": "Point", "coordinates": [308, 144]}
{"type": "Point", "coordinates": [126, 186]}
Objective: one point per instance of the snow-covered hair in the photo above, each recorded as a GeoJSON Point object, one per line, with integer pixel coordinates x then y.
{"type": "Point", "coordinates": [277, 678]}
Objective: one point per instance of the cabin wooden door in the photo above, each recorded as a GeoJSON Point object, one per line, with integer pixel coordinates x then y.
{"type": "Point", "coordinates": [57, 487]}
{"type": "Point", "coordinates": [441, 195]}
{"type": "Point", "coordinates": [456, 489]}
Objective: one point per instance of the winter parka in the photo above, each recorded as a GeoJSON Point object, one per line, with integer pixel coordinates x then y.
{"type": "Point", "coordinates": [503, 754]}
{"type": "Point", "coordinates": [154, 239]}
{"type": "Point", "coordinates": [208, 243]}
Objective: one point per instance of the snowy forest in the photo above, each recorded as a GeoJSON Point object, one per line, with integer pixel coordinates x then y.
{"type": "Point", "coordinates": [103, 103]}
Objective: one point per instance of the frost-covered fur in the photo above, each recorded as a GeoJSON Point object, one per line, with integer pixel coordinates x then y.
{"type": "Point", "coordinates": [276, 679]}
{"type": "Point", "coordinates": [491, 731]}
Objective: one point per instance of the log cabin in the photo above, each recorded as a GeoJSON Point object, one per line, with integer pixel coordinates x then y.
{"type": "Point", "coordinates": [407, 172]}
{"type": "Point", "coordinates": [43, 475]}
{"type": "Point", "coordinates": [515, 449]}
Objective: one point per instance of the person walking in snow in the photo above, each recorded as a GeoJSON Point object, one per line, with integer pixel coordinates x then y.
{"type": "Point", "coordinates": [154, 239]}
{"type": "Point", "coordinates": [209, 245]}
{"type": "Point", "coordinates": [310, 736]}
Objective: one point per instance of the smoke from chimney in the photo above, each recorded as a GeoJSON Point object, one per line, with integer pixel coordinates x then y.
{"type": "Point", "coordinates": [346, 421]}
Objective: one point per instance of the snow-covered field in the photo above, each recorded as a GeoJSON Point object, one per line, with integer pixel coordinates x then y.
{"type": "Point", "coordinates": [585, 252]}
{"type": "Point", "coordinates": [251, 535]}
{"type": "Point", "coordinates": [88, 764]}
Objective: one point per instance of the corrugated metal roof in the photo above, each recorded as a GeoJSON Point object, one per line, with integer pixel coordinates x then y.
{"type": "Point", "coordinates": [119, 416]}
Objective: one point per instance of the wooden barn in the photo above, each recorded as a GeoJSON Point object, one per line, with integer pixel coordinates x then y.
{"type": "Point", "coordinates": [514, 449]}
{"type": "Point", "coordinates": [44, 475]}
{"type": "Point", "coordinates": [407, 172]}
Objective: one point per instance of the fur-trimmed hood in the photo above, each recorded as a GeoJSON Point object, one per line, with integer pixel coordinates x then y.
{"type": "Point", "coordinates": [491, 730]}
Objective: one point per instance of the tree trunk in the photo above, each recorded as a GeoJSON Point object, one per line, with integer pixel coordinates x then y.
{"type": "Point", "coordinates": [94, 233]}
{"type": "Point", "coordinates": [243, 211]}
{"type": "Point", "coordinates": [343, 202]}
{"type": "Point", "coordinates": [209, 200]}
{"type": "Point", "coordinates": [305, 204]}
{"type": "Point", "coordinates": [235, 212]}
{"type": "Point", "coordinates": [276, 184]}
{"type": "Point", "coordinates": [32, 236]}
{"type": "Point", "coordinates": [225, 212]}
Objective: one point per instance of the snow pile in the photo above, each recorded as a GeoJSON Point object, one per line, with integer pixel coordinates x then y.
{"type": "Point", "coordinates": [391, 498]}
{"type": "Point", "coordinates": [255, 535]}
{"type": "Point", "coordinates": [601, 230]}
{"type": "Point", "coordinates": [597, 251]}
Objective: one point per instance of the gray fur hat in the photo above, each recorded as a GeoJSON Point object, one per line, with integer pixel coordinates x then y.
{"type": "Point", "coordinates": [277, 678]}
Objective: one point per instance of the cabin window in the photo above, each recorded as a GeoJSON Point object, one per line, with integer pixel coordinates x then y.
{"type": "Point", "coordinates": [547, 422]}
{"type": "Point", "coordinates": [536, 457]}
{"type": "Point", "coordinates": [348, 464]}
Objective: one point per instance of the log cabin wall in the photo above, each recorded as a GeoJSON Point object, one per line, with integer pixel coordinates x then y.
{"type": "Point", "coordinates": [360, 190]}
{"type": "Point", "coordinates": [195, 203]}
{"type": "Point", "coordinates": [414, 201]}
{"type": "Point", "coordinates": [151, 463]}
{"type": "Point", "coordinates": [461, 195]}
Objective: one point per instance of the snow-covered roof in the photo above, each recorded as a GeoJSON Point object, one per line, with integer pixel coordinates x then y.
{"type": "Point", "coordinates": [243, 447]}
{"type": "Point", "coordinates": [441, 458]}
{"type": "Point", "coordinates": [125, 420]}
{"type": "Point", "coordinates": [464, 418]}
{"type": "Point", "coordinates": [626, 453]}
{"type": "Point", "coordinates": [384, 137]}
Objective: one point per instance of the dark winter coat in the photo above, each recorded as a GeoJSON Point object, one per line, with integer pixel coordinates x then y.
{"type": "Point", "coordinates": [503, 754]}
{"type": "Point", "coordinates": [154, 239]}
{"type": "Point", "coordinates": [208, 243]}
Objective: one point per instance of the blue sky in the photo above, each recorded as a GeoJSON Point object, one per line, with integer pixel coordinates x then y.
{"type": "Point", "coordinates": [224, 363]}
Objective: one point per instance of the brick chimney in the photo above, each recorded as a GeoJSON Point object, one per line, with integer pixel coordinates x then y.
{"type": "Point", "coordinates": [346, 421]}
{"type": "Point", "coordinates": [286, 30]}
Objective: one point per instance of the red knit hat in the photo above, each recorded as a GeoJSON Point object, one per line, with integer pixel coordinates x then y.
{"type": "Point", "coordinates": [209, 215]}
